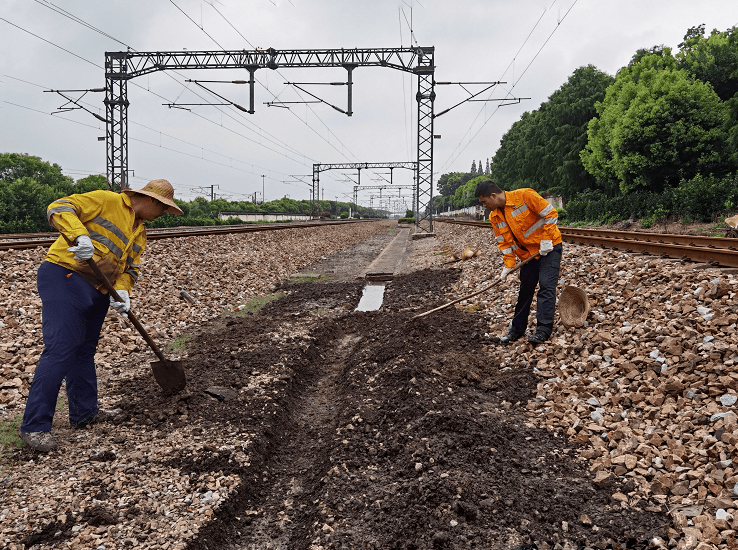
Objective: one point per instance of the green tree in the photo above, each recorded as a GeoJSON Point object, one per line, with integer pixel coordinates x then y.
{"type": "Point", "coordinates": [23, 205]}
{"type": "Point", "coordinates": [541, 150]}
{"type": "Point", "coordinates": [713, 59]}
{"type": "Point", "coordinates": [90, 183]}
{"type": "Point", "coordinates": [656, 126]}
{"type": "Point", "coordinates": [14, 166]}
{"type": "Point", "coordinates": [448, 183]}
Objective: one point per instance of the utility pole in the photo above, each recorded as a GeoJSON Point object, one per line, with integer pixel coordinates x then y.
{"type": "Point", "coordinates": [262, 189]}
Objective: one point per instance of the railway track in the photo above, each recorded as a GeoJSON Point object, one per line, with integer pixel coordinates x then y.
{"type": "Point", "coordinates": [715, 250]}
{"type": "Point", "coordinates": [19, 241]}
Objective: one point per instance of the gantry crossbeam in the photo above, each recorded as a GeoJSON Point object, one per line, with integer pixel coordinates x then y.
{"type": "Point", "coordinates": [120, 67]}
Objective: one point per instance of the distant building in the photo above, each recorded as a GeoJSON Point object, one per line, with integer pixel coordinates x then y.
{"type": "Point", "coordinates": [556, 200]}
{"type": "Point", "coordinates": [264, 216]}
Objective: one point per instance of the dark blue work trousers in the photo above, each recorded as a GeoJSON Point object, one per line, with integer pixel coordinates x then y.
{"type": "Point", "coordinates": [72, 315]}
{"type": "Point", "coordinates": [544, 273]}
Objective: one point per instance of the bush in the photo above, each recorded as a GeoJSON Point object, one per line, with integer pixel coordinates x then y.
{"type": "Point", "coordinates": [700, 199]}
{"type": "Point", "coordinates": [406, 220]}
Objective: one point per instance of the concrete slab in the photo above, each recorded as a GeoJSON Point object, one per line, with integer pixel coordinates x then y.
{"type": "Point", "coordinates": [384, 266]}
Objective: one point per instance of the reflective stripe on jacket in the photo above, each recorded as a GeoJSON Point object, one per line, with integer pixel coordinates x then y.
{"type": "Point", "coordinates": [527, 220]}
{"type": "Point", "coordinates": [108, 219]}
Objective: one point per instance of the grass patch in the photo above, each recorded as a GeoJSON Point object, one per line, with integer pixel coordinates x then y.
{"type": "Point", "coordinates": [179, 343]}
{"type": "Point", "coordinates": [257, 303]}
{"type": "Point", "coordinates": [320, 279]}
{"type": "Point", "coordinates": [443, 252]}
{"type": "Point", "coordinates": [9, 439]}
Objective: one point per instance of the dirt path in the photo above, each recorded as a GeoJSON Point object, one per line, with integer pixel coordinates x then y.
{"type": "Point", "coordinates": [398, 434]}
{"type": "Point", "coordinates": [309, 426]}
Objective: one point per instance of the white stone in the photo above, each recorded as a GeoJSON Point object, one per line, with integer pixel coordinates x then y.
{"type": "Point", "coordinates": [728, 400]}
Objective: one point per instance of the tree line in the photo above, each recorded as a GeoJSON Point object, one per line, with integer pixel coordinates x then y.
{"type": "Point", "coordinates": [665, 127]}
{"type": "Point", "coordinates": [29, 184]}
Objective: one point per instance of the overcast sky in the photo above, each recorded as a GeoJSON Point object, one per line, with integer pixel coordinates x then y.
{"type": "Point", "coordinates": [532, 45]}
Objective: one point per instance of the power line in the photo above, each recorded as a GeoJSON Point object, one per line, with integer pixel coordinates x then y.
{"type": "Point", "coordinates": [49, 42]}
{"type": "Point", "coordinates": [514, 82]}
{"type": "Point", "coordinates": [261, 168]}
{"type": "Point", "coordinates": [198, 26]}
{"type": "Point", "coordinates": [69, 15]}
{"type": "Point", "coordinates": [84, 23]}
{"type": "Point", "coordinates": [157, 145]}
{"type": "Point", "coordinates": [298, 94]}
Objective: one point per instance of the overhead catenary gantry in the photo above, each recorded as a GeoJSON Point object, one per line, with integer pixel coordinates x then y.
{"type": "Point", "coordinates": [359, 166]}
{"type": "Point", "coordinates": [388, 188]}
{"type": "Point", "coordinates": [120, 67]}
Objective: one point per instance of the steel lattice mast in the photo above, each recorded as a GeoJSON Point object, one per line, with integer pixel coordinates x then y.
{"type": "Point", "coordinates": [120, 67]}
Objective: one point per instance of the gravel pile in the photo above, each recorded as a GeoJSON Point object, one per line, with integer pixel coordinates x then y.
{"type": "Point", "coordinates": [155, 505]}
{"type": "Point", "coordinates": [648, 386]}
{"type": "Point", "coordinates": [219, 272]}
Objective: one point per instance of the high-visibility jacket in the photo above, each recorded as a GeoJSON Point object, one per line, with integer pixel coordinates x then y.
{"type": "Point", "coordinates": [520, 226]}
{"type": "Point", "coordinates": [110, 222]}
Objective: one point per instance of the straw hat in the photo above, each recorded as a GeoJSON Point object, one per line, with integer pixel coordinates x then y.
{"type": "Point", "coordinates": [162, 191]}
{"type": "Point", "coordinates": [573, 306]}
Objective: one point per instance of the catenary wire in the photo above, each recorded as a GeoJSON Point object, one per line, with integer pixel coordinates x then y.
{"type": "Point", "coordinates": [154, 93]}
{"type": "Point", "coordinates": [520, 77]}
{"type": "Point", "coordinates": [297, 92]}
{"type": "Point", "coordinates": [80, 21]}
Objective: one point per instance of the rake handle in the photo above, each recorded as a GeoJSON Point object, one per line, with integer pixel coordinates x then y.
{"type": "Point", "coordinates": [444, 306]}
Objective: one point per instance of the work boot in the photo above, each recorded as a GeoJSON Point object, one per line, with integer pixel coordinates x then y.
{"type": "Point", "coordinates": [511, 336]}
{"type": "Point", "coordinates": [102, 415]}
{"type": "Point", "coordinates": [538, 338]}
{"type": "Point", "coordinates": [39, 441]}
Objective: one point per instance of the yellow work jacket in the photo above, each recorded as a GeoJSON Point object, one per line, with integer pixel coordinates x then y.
{"type": "Point", "coordinates": [110, 222]}
{"type": "Point", "coordinates": [520, 226]}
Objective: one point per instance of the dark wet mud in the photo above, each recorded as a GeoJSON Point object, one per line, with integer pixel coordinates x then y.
{"type": "Point", "coordinates": [370, 430]}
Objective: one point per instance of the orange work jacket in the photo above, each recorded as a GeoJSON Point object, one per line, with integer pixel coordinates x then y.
{"type": "Point", "coordinates": [520, 226]}
{"type": "Point", "coordinates": [110, 222]}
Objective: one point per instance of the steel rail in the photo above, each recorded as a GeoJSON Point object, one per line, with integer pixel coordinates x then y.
{"type": "Point", "coordinates": [720, 251]}
{"type": "Point", "coordinates": [169, 233]}
{"type": "Point", "coordinates": [690, 240]}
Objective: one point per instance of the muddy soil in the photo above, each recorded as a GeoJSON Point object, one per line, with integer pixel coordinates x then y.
{"type": "Point", "coordinates": [379, 432]}
{"type": "Point", "coordinates": [367, 430]}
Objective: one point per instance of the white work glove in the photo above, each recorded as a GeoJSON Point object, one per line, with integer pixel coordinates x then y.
{"type": "Point", "coordinates": [505, 271]}
{"type": "Point", "coordinates": [121, 307]}
{"type": "Point", "coordinates": [546, 247]}
{"type": "Point", "coordinates": [83, 249]}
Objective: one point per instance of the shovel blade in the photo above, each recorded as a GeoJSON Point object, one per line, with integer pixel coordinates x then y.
{"type": "Point", "coordinates": [170, 375]}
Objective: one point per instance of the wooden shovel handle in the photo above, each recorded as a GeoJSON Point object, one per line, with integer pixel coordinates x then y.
{"type": "Point", "coordinates": [131, 317]}
{"type": "Point", "coordinates": [444, 306]}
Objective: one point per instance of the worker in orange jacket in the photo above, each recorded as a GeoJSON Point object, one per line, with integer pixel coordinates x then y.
{"type": "Point", "coordinates": [108, 227]}
{"type": "Point", "coordinates": [525, 224]}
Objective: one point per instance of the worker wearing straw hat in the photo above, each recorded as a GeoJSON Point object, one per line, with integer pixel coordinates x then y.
{"type": "Point", "coordinates": [108, 227]}
{"type": "Point", "coordinates": [525, 224]}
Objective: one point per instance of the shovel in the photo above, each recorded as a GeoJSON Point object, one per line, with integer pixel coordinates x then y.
{"type": "Point", "coordinates": [169, 375]}
{"type": "Point", "coordinates": [486, 288]}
